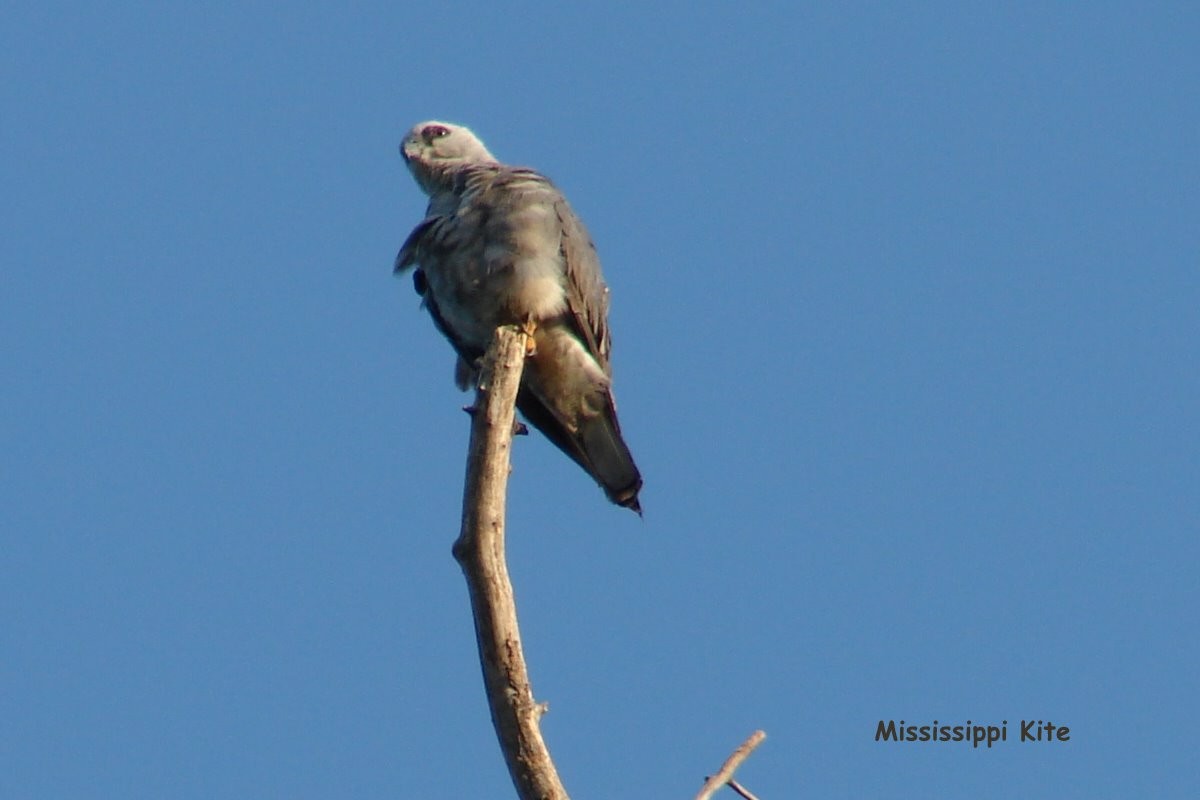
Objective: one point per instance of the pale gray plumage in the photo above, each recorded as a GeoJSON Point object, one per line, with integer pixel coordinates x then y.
{"type": "Point", "coordinates": [499, 245]}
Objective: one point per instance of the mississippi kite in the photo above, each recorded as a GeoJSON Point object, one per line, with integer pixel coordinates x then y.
{"type": "Point", "coordinates": [499, 245]}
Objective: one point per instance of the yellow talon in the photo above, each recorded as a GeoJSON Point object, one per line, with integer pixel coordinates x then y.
{"type": "Point", "coordinates": [529, 327]}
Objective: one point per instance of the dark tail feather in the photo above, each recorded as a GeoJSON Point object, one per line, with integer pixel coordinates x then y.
{"type": "Point", "coordinates": [612, 463]}
{"type": "Point", "coordinates": [598, 448]}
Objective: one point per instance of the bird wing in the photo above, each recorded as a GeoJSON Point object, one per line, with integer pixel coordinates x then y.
{"type": "Point", "coordinates": [407, 257]}
{"type": "Point", "coordinates": [587, 295]}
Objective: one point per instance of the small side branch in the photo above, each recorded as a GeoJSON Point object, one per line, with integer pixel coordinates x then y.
{"type": "Point", "coordinates": [479, 550]}
{"type": "Point", "coordinates": [742, 790]}
{"type": "Point", "coordinates": [725, 774]}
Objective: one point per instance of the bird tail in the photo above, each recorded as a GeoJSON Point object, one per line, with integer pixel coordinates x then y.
{"type": "Point", "coordinates": [597, 446]}
{"type": "Point", "coordinates": [611, 463]}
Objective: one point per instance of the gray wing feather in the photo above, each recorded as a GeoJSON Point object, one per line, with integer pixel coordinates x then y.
{"type": "Point", "coordinates": [407, 256]}
{"type": "Point", "coordinates": [587, 295]}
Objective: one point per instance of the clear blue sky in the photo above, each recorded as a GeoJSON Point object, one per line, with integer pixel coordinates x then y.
{"type": "Point", "coordinates": [905, 337]}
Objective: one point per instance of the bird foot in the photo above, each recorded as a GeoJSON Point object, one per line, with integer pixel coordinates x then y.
{"type": "Point", "coordinates": [529, 327]}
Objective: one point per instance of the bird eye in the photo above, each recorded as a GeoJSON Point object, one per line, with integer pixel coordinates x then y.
{"type": "Point", "coordinates": [432, 132]}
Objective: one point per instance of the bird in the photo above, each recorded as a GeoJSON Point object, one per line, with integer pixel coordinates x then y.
{"type": "Point", "coordinates": [500, 245]}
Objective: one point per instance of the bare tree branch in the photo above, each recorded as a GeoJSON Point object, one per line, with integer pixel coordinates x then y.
{"type": "Point", "coordinates": [479, 550]}
{"type": "Point", "coordinates": [725, 774]}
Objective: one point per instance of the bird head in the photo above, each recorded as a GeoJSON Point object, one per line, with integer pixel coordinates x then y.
{"type": "Point", "coordinates": [433, 149]}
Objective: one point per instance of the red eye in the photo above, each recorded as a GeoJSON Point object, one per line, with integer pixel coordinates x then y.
{"type": "Point", "coordinates": [431, 132]}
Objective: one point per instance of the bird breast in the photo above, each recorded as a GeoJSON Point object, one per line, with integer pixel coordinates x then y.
{"type": "Point", "coordinates": [505, 268]}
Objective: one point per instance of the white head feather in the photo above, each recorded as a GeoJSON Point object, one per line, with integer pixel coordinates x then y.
{"type": "Point", "coordinates": [434, 150]}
